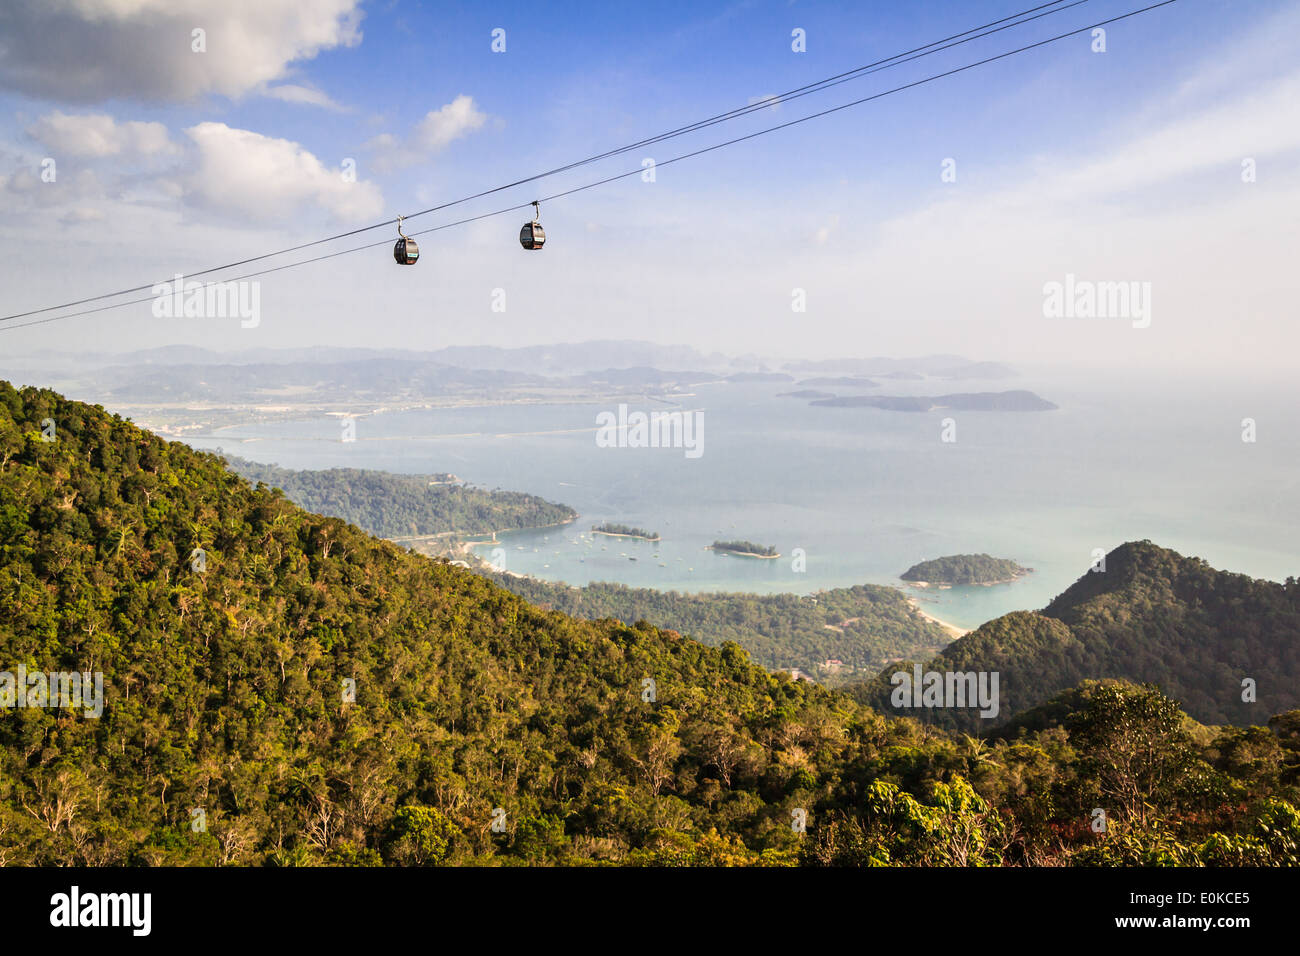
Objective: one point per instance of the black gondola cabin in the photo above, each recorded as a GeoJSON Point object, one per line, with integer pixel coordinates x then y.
{"type": "Point", "coordinates": [406, 252]}
{"type": "Point", "coordinates": [533, 236]}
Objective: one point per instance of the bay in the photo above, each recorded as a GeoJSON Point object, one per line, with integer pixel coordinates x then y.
{"type": "Point", "coordinates": [864, 493]}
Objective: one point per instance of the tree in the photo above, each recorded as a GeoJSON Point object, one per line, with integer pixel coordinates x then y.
{"type": "Point", "coordinates": [419, 836]}
{"type": "Point", "coordinates": [1133, 749]}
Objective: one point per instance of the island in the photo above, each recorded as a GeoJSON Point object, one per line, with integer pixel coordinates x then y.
{"type": "Point", "coordinates": [760, 377]}
{"type": "Point", "coordinates": [965, 569]}
{"type": "Point", "coordinates": [856, 381]}
{"type": "Point", "coordinates": [1017, 400]}
{"type": "Point", "coordinates": [806, 393]}
{"type": "Point", "coordinates": [624, 531]}
{"type": "Point", "coordinates": [745, 549]}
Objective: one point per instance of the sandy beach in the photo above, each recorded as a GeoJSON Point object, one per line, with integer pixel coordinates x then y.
{"type": "Point", "coordinates": [952, 629]}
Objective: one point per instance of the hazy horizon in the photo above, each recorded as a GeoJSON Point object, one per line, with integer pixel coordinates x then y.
{"type": "Point", "coordinates": [41, 358]}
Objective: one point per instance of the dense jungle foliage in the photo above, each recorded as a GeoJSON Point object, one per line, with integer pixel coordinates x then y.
{"type": "Point", "coordinates": [862, 626]}
{"type": "Point", "coordinates": [282, 689]}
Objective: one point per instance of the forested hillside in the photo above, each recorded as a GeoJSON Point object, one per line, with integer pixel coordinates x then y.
{"type": "Point", "coordinates": [861, 626]}
{"type": "Point", "coordinates": [1152, 616]}
{"type": "Point", "coordinates": [393, 506]}
{"type": "Point", "coordinates": [280, 688]}
{"type": "Point", "coordinates": [225, 687]}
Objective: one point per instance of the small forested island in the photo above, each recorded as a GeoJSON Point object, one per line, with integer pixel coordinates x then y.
{"type": "Point", "coordinates": [624, 531]}
{"type": "Point", "coordinates": [746, 549]}
{"type": "Point", "coordinates": [965, 569]}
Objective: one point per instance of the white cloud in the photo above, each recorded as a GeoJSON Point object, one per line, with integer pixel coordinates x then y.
{"type": "Point", "coordinates": [26, 188]}
{"type": "Point", "coordinates": [235, 174]}
{"type": "Point", "coordinates": [95, 50]}
{"type": "Point", "coordinates": [431, 135]}
{"type": "Point", "coordinates": [265, 179]}
{"type": "Point", "coordinates": [1265, 50]}
{"type": "Point", "coordinates": [440, 127]}
{"type": "Point", "coordinates": [1263, 122]}
{"type": "Point", "coordinates": [303, 95]}
{"type": "Point", "coordinates": [98, 134]}
{"type": "Point", "coordinates": [79, 215]}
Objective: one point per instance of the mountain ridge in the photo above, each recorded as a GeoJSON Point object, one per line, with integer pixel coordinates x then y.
{"type": "Point", "coordinates": [1152, 615]}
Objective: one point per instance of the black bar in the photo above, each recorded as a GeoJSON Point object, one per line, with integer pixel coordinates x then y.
{"type": "Point", "coordinates": [613, 907]}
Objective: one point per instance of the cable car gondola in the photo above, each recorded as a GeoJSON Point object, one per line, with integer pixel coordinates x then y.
{"type": "Point", "coordinates": [406, 252]}
{"type": "Point", "coordinates": [533, 236]}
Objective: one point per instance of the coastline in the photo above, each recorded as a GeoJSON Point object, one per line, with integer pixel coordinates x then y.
{"type": "Point", "coordinates": [953, 630]}
{"type": "Point", "coordinates": [743, 554]}
{"type": "Point", "coordinates": [467, 539]}
{"type": "Point", "coordinates": [973, 584]}
{"type": "Point", "coordinates": [617, 534]}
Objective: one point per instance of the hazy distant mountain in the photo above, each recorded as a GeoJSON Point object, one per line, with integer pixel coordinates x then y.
{"type": "Point", "coordinates": [193, 355]}
{"type": "Point", "coordinates": [561, 358]}
{"type": "Point", "coordinates": [642, 375]}
{"type": "Point", "coordinates": [880, 365]}
{"type": "Point", "coordinates": [556, 359]}
{"type": "Point", "coordinates": [579, 357]}
{"type": "Point", "coordinates": [368, 380]}
{"type": "Point", "coordinates": [172, 376]}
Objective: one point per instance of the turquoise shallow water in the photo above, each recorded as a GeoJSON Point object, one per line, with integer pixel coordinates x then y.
{"type": "Point", "coordinates": [866, 493]}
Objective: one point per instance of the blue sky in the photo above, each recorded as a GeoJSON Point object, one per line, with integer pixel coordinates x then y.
{"type": "Point", "coordinates": [1121, 166]}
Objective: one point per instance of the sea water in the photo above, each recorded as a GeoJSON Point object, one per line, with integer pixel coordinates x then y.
{"type": "Point", "coordinates": [857, 495]}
